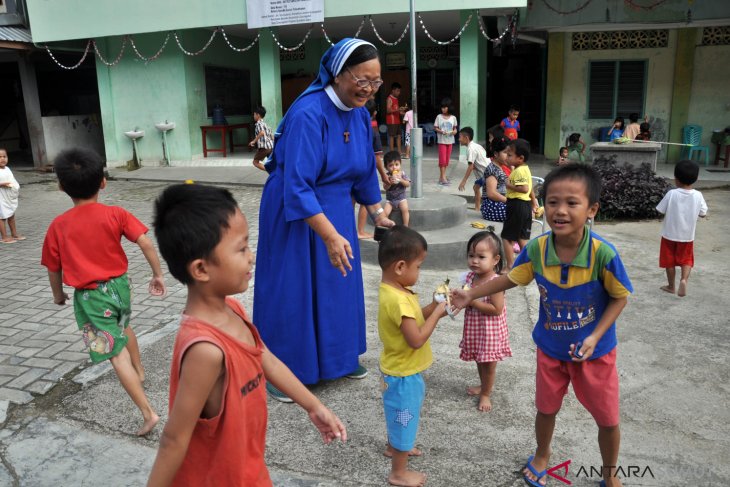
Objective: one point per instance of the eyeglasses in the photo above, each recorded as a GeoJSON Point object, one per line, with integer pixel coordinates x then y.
{"type": "Point", "coordinates": [364, 83]}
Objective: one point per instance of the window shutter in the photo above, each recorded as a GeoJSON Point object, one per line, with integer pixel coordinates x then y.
{"type": "Point", "coordinates": [601, 89]}
{"type": "Point", "coordinates": [630, 88]}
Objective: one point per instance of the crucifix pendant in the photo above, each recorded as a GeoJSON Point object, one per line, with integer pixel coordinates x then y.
{"type": "Point", "coordinates": [347, 136]}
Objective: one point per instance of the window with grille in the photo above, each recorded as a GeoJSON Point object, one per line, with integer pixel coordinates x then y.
{"type": "Point", "coordinates": [616, 89]}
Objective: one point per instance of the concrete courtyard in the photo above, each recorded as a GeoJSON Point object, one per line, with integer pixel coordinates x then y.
{"type": "Point", "coordinates": [65, 422]}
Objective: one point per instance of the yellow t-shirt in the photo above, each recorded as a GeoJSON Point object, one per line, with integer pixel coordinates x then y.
{"type": "Point", "coordinates": [520, 176]}
{"type": "Point", "coordinates": [398, 358]}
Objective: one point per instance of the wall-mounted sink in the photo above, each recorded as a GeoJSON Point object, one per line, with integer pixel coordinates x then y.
{"type": "Point", "coordinates": [164, 127]}
{"type": "Point", "coordinates": [135, 134]}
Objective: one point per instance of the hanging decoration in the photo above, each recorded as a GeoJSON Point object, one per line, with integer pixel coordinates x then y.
{"type": "Point", "coordinates": [155, 55]}
{"type": "Point", "coordinates": [199, 51]}
{"type": "Point", "coordinates": [240, 49]}
{"type": "Point", "coordinates": [511, 28]}
{"type": "Point", "coordinates": [327, 37]}
{"type": "Point", "coordinates": [398, 41]}
{"type": "Point", "coordinates": [86, 52]}
{"type": "Point", "coordinates": [283, 47]}
{"type": "Point", "coordinates": [575, 10]}
{"type": "Point", "coordinates": [453, 39]}
{"type": "Point", "coordinates": [635, 6]}
{"type": "Point", "coordinates": [117, 59]}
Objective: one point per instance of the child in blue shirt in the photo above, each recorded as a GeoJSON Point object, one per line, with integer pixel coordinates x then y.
{"type": "Point", "coordinates": [617, 129]}
{"type": "Point", "coordinates": [583, 289]}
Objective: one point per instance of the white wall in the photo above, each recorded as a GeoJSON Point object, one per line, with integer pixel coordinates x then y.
{"type": "Point", "coordinates": [66, 132]}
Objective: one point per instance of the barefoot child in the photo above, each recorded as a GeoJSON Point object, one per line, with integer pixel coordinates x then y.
{"type": "Point", "coordinates": [395, 188]}
{"type": "Point", "coordinates": [215, 435]}
{"type": "Point", "coordinates": [404, 328]}
{"type": "Point", "coordinates": [486, 338]}
{"type": "Point", "coordinates": [476, 158]}
{"type": "Point", "coordinates": [9, 189]}
{"type": "Point", "coordinates": [83, 249]}
{"type": "Point", "coordinates": [681, 207]}
{"type": "Point", "coordinates": [583, 289]}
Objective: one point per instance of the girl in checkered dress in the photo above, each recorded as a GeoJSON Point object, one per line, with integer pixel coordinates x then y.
{"type": "Point", "coordinates": [486, 338]}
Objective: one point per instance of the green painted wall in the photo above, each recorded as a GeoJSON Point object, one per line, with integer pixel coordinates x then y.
{"type": "Point", "coordinates": [575, 91]}
{"type": "Point", "coordinates": [472, 77]}
{"type": "Point", "coordinates": [138, 94]}
{"type": "Point", "coordinates": [710, 107]}
{"type": "Point", "coordinates": [682, 88]}
{"type": "Point", "coordinates": [101, 18]}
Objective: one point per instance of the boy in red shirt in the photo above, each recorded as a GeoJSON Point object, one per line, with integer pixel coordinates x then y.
{"type": "Point", "coordinates": [216, 433]}
{"type": "Point", "coordinates": [83, 249]}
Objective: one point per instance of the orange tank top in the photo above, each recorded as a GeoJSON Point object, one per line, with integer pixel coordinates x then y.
{"type": "Point", "coordinates": [227, 449]}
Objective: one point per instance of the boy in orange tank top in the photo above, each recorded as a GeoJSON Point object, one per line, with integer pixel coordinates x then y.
{"type": "Point", "coordinates": [216, 431]}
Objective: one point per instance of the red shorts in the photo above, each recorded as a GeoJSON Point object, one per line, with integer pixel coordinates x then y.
{"type": "Point", "coordinates": [595, 383]}
{"type": "Point", "coordinates": [673, 254]}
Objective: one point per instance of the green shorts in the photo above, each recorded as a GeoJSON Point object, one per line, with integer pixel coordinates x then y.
{"type": "Point", "coordinates": [102, 314]}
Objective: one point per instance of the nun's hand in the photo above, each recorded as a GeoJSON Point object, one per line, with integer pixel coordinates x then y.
{"type": "Point", "coordinates": [339, 252]}
{"type": "Point", "coordinates": [384, 221]}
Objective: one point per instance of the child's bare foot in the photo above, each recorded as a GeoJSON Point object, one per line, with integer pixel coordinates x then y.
{"type": "Point", "coordinates": [364, 236]}
{"type": "Point", "coordinates": [8, 240]}
{"type": "Point", "coordinates": [409, 478]}
{"type": "Point", "coordinates": [612, 482]}
{"type": "Point", "coordinates": [682, 291]}
{"type": "Point", "coordinates": [667, 289]}
{"type": "Point", "coordinates": [485, 404]}
{"type": "Point", "coordinates": [473, 391]}
{"type": "Point", "coordinates": [148, 425]}
{"type": "Point", "coordinates": [415, 452]}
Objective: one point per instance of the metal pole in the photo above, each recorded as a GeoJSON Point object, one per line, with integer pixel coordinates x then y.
{"type": "Point", "coordinates": [416, 131]}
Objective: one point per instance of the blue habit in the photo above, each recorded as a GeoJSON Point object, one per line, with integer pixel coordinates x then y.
{"type": "Point", "coordinates": [308, 315]}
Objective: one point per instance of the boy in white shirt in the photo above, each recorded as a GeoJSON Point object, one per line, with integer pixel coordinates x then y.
{"type": "Point", "coordinates": [681, 207]}
{"type": "Point", "coordinates": [477, 159]}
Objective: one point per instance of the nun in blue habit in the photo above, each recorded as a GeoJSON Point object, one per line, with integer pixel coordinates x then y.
{"type": "Point", "coordinates": [308, 294]}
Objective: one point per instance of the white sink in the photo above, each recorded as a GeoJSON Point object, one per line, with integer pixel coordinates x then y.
{"type": "Point", "coordinates": [164, 127]}
{"type": "Point", "coordinates": [135, 134]}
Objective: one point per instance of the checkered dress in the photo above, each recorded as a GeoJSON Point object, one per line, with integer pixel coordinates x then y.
{"type": "Point", "coordinates": [486, 338]}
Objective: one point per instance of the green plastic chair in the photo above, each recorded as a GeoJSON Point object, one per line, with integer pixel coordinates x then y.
{"type": "Point", "coordinates": [692, 134]}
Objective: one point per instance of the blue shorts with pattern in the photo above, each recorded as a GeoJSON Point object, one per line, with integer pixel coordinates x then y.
{"type": "Point", "coordinates": [402, 401]}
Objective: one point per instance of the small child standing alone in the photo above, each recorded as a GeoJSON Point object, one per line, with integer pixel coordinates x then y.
{"type": "Point", "coordinates": [681, 206]}
{"type": "Point", "coordinates": [83, 249]}
{"type": "Point", "coordinates": [404, 329]}
{"type": "Point", "coordinates": [263, 138]}
{"type": "Point", "coordinates": [395, 188]}
{"type": "Point", "coordinates": [9, 190]}
{"type": "Point", "coordinates": [510, 124]}
{"type": "Point", "coordinates": [476, 158]}
{"type": "Point", "coordinates": [486, 337]}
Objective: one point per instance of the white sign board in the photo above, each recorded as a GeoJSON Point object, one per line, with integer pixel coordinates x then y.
{"type": "Point", "coordinates": [268, 13]}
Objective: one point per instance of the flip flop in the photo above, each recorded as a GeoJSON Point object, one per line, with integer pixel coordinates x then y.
{"type": "Point", "coordinates": [533, 471]}
{"type": "Point", "coordinates": [7, 241]}
{"type": "Point", "coordinates": [19, 237]}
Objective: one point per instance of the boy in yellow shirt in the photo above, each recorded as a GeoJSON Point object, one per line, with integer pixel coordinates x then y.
{"type": "Point", "coordinates": [404, 328]}
{"type": "Point", "coordinates": [521, 201]}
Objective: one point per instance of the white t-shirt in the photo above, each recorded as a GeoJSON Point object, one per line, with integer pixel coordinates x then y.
{"type": "Point", "coordinates": [447, 124]}
{"type": "Point", "coordinates": [408, 120]}
{"type": "Point", "coordinates": [681, 207]}
{"type": "Point", "coordinates": [477, 155]}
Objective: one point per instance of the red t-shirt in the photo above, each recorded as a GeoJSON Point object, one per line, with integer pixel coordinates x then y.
{"type": "Point", "coordinates": [86, 243]}
{"type": "Point", "coordinates": [227, 449]}
{"type": "Point", "coordinates": [392, 118]}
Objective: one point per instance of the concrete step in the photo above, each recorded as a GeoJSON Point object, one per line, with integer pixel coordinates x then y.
{"type": "Point", "coordinates": [434, 211]}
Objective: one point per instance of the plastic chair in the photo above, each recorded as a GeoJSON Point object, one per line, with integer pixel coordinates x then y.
{"type": "Point", "coordinates": [692, 134]}
{"type": "Point", "coordinates": [429, 134]}
{"type": "Point", "coordinates": [537, 183]}
{"type": "Point", "coordinates": [603, 134]}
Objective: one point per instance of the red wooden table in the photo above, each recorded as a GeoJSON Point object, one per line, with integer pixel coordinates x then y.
{"type": "Point", "coordinates": [225, 131]}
